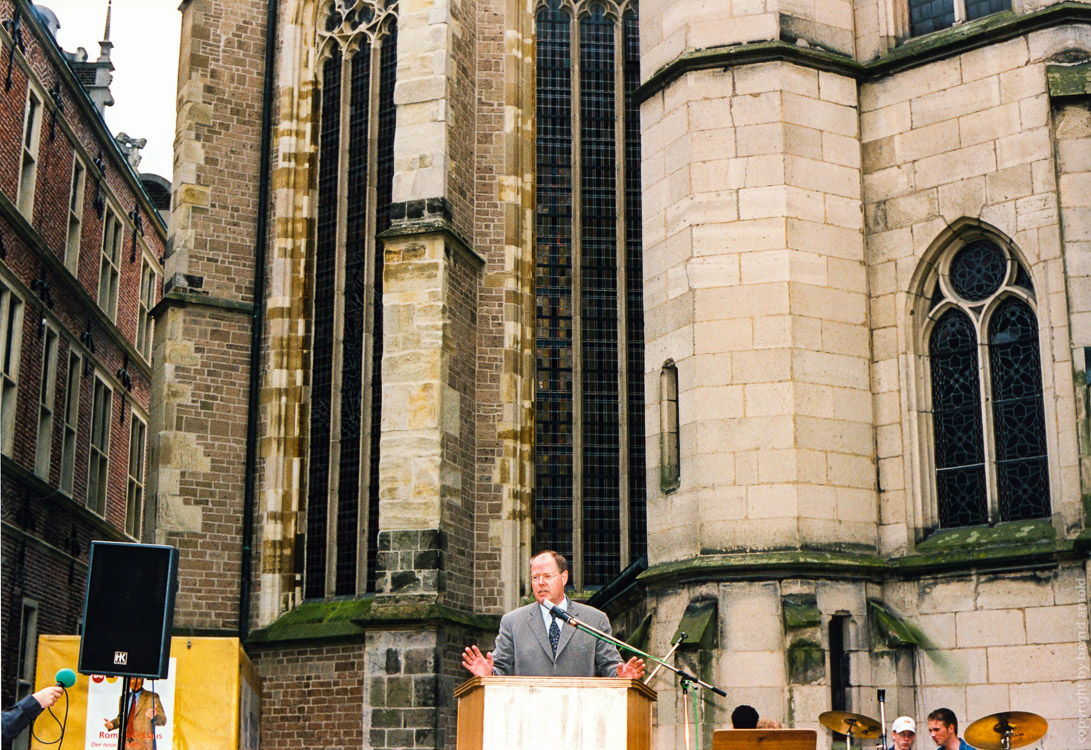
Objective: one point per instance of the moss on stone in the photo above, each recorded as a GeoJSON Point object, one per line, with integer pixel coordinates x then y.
{"type": "Point", "coordinates": [336, 618]}
{"type": "Point", "coordinates": [800, 611]}
{"type": "Point", "coordinates": [340, 619]}
{"type": "Point", "coordinates": [699, 624]}
{"type": "Point", "coordinates": [806, 662]}
{"type": "Point", "coordinates": [1069, 80]}
{"type": "Point", "coordinates": [642, 635]}
{"type": "Point", "coordinates": [970, 537]}
{"type": "Point", "coordinates": [890, 629]}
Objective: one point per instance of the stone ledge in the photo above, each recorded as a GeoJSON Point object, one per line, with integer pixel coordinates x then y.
{"type": "Point", "coordinates": [177, 298]}
{"type": "Point", "coordinates": [939, 45]}
{"type": "Point", "coordinates": [351, 619]}
{"type": "Point", "coordinates": [742, 566]}
{"type": "Point", "coordinates": [433, 225]}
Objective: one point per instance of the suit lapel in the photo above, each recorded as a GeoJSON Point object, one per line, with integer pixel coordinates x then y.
{"type": "Point", "coordinates": [538, 628]}
{"type": "Point", "coordinates": [567, 631]}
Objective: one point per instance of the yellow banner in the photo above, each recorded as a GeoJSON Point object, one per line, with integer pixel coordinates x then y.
{"type": "Point", "coordinates": [210, 700]}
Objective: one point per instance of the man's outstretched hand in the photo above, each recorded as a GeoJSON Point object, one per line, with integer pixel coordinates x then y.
{"type": "Point", "coordinates": [632, 669]}
{"type": "Point", "coordinates": [476, 662]}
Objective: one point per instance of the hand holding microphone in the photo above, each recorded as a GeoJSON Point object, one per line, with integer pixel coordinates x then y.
{"type": "Point", "coordinates": [49, 696]}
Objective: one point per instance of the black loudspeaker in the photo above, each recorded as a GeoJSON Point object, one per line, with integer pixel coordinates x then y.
{"type": "Point", "coordinates": [128, 612]}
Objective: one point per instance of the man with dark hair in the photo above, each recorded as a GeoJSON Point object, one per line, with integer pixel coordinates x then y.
{"type": "Point", "coordinates": [534, 643]}
{"type": "Point", "coordinates": [943, 728]}
{"type": "Point", "coordinates": [744, 717]}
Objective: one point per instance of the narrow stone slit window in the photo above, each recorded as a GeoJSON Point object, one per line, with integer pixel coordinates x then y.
{"type": "Point", "coordinates": [669, 454]}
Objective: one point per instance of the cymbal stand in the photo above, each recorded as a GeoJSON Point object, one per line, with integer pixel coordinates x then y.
{"type": "Point", "coordinates": [882, 718]}
{"type": "Point", "coordinates": [1005, 730]}
{"type": "Point", "coordinates": [848, 734]}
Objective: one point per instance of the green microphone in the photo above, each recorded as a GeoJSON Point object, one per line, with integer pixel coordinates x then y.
{"type": "Point", "coordinates": [66, 678]}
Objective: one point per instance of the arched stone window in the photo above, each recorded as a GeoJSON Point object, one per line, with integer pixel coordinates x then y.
{"type": "Point", "coordinates": [590, 493]}
{"type": "Point", "coordinates": [984, 386]}
{"type": "Point", "coordinates": [357, 63]}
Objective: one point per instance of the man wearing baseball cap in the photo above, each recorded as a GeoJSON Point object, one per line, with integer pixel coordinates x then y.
{"type": "Point", "coordinates": [903, 731]}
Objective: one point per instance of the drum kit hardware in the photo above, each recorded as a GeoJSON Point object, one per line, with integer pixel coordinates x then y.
{"type": "Point", "coordinates": [1000, 731]}
{"type": "Point", "coordinates": [1006, 730]}
{"type": "Point", "coordinates": [851, 725]}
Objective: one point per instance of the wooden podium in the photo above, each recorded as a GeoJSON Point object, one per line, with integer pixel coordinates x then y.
{"type": "Point", "coordinates": [546, 713]}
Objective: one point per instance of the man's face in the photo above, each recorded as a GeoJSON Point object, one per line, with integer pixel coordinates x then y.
{"type": "Point", "coordinates": [547, 580]}
{"type": "Point", "coordinates": [136, 683]}
{"type": "Point", "coordinates": [940, 732]}
{"type": "Point", "coordinates": [903, 740]}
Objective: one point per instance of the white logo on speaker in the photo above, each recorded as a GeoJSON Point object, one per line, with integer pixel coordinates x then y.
{"type": "Point", "coordinates": [121, 657]}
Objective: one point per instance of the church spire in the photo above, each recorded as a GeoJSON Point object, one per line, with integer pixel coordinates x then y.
{"type": "Point", "coordinates": [106, 45]}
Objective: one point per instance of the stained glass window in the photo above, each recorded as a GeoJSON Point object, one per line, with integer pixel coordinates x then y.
{"type": "Point", "coordinates": [341, 423]}
{"type": "Point", "coordinates": [1012, 484]}
{"type": "Point", "coordinates": [589, 427]}
{"type": "Point", "coordinates": [926, 16]}
{"type": "Point", "coordinates": [956, 416]}
{"type": "Point", "coordinates": [1018, 416]}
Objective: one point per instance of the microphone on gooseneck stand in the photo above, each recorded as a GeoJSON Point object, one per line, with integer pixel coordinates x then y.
{"type": "Point", "coordinates": [558, 612]}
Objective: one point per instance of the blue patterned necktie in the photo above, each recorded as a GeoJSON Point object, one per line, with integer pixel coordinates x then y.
{"type": "Point", "coordinates": [554, 635]}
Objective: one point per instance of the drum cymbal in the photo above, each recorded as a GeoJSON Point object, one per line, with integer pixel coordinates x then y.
{"type": "Point", "coordinates": [987, 733]}
{"type": "Point", "coordinates": [844, 722]}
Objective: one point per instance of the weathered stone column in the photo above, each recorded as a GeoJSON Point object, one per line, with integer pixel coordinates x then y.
{"type": "Point", "coordinates": [756, 291]}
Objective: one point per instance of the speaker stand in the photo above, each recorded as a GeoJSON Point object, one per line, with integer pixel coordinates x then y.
{"type": "Point", "coordinates": [123, 725]}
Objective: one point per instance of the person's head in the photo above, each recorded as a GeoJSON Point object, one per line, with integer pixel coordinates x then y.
{"type": "Point", "coordinates": [942, 726]}
{"type": "Point", "coordinates": [903, 731]}
{"type": "Point", "coordinates": [744, 717]}
{"type": "Point", "coordinates": [548, 576]}
{"type": "Point", "coordinates": [136, 683]}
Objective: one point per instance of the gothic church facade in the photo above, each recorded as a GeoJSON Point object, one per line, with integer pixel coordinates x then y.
{"type": "Point", "coordinates": [771, 315]}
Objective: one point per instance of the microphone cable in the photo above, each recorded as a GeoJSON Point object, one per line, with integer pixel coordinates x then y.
{"type": "Point", "coordinates": [62, 724]}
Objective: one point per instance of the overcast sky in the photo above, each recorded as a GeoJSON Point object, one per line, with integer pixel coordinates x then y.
{"type": "Point", "coordinates": [145, 34]}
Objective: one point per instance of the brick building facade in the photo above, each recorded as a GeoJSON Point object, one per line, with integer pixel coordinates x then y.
{"type": "Point", "coordinates": [776, 311]}
{"type": "Point", "coordinates": [80, 273]}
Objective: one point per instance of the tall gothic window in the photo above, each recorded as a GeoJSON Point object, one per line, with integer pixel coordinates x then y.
{"type": "Point", "coordinates": [358, 53]}
{"type": "Point", "coordinates": [988, 420]}
{"type": "Point", "coordinates": [589, 426]}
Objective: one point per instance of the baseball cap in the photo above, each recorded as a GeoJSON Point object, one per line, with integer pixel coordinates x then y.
{"type": "Point", "coordinates": [904, 724]}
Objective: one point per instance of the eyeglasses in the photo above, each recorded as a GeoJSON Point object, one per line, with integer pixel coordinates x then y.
{"type": "Point", "coordinates": [544, 577]}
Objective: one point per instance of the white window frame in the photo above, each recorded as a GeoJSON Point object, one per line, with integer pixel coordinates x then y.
{"type": "Point", "coordinates": [145, 325]}
{"type": "Point", "coordinates": [28, 152]}
{"type": "Point", "coordinates": [43, 449]}
{"type": "Point", "coordinates": [109, 276]}
{"type": "Point", "coordinates": [98, 460]}
{"type": "Point", "coordinates": [71, 421]}
{"type": "Point", "coordinates": [11, 343]}
{"type": "Point", "coordinates": [75, 215]}
{"type": "Point", "coordinates": [134, 491]}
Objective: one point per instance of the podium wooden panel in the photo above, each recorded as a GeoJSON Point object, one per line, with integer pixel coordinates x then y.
{"type": "Point", "coordinates": [545, 713]}
{"type": "Point", "coordinates": [764, 739]}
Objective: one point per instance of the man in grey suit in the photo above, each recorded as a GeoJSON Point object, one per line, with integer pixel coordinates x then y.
{"type": "Point", "coordinates": [534, 643]}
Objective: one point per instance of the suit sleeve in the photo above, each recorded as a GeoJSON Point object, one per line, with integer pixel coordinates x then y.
{"type": "Point", "coordinates": [503, 652]}
{"type": "Point", "coordinates": [160, 714]}
{"type": "Point", "coordinates": [19, 717]}
{"type": "Point", "coordinates": [606, 654]}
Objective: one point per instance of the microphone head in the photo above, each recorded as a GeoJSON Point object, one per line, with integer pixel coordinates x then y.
{"type": "Point", "coordinates": [66, 677]}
